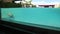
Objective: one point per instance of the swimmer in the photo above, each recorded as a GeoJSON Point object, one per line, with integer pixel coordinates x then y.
{"type": "Point", "coordinates": [10, 15]}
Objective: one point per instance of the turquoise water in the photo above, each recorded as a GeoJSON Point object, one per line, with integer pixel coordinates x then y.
{"type": "Point", "coordinates": [43, 16]}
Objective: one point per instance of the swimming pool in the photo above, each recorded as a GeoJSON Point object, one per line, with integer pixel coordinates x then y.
{"type": "Point", "coordinates": [38, 17]}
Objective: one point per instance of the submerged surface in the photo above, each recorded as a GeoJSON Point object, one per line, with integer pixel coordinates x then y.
{"type": "Point", "coordinates": [40, 16]}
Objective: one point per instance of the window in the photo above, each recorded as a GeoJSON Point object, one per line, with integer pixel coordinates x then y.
{"type": "Point", "coordinates": [46, 6]}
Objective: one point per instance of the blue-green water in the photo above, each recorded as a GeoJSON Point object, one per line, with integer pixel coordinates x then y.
{"type": "Point", "coordinates": [43, 16]}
